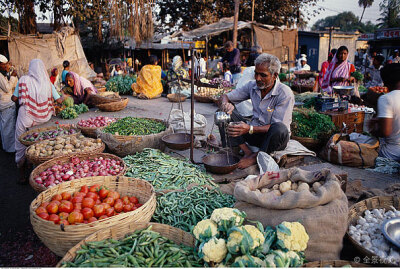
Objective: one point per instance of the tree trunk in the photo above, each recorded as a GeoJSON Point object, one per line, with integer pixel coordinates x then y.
{"type": "Point", "coordinates": [27, 18]}
{"type": "Point", "coordinates": [235, 23]}
{"type": "Point", "coordinates": [362, 15]}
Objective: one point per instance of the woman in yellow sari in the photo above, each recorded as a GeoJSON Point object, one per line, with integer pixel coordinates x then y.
{"type": "Point", "coordinates": [148, 84]}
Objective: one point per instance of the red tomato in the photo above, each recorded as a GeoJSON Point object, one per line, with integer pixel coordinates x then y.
{"type": "Point", "coordinates": [78, 206]}
{"type": "Point", "coordinates": [113, 194]}
{"type": "Point", "coordinates": [92, 195]}
{"type": "Point", "coordinates": [54, 218]}
{"type": "Point", "coordinates": [128, 207]}
{"type": "Point", "coordinates": [110, 211]}
{"type": "Point", "coordinates": [44, 216]}
{"type": "Point", "coordinates": [65, 206]}
{"type": "Point", "coordinates": [79, 194]}
{"type": "Point", "coordinates": [63, 215]}
{"type": "Point", "coordinates": [87, 213]}
{"type": "Point", "coordinates": [66, 195]}
{"type": "Point", "coordinates": [118, 200]}
{"type": "Point", "coordinates": [75, 217]}
{"type": "Point", "coordinates": [94, 188]}
{"type": "Point", "coordinates": [103, 217]}
{"type": "Point", "coordinates": [85, 221]}
{"type": "Point", "coordinates": [134, 208]}
{"type": "Point", "coordinates": [40, 209]}
{"type": "Point", "coordinates": [98, 210]}
{"type": "Point", "coordinates": [57, 197]}
{"type": "Point", "coordinates": [109, 200]}
{"type": "Point", "coordinates": [64, 221]}
{"type": "Point", "coordinates": [125, 200]}
{"type": "Point", "coordinates": [45, 204]}
{"type": "Point", "coordinates": [106, 206]}
{"type": "Point", "coordinates": [85, 189]}
{"type": "Point", "coordinates": [88, 202]}
{"type": "Point", "coordinates": [52, 208]}
{"type": "Point", "coordinates": [103, 192]}
{"type": "Point", "coordinates": [98, 201]}
{"type": "Point", "coordinates": [92, 219]}
{"type": "Point", "coordinates": [134, 200]}
{"type": "Point", "coordinates": [118, 206]}
{"type": "Point", "coordinates": [56, 202]}
{"type": "Point", "coordinates": [77, 199]}
{"type": "Point", "coordinates": [139, 205]}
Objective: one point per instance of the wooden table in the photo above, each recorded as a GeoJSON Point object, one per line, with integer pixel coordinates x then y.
{"type": "Point", "coordinates": [353, 120]}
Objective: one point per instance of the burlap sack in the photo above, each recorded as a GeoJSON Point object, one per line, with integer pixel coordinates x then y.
{"type": "Point", "coordinates": [323, 214]}
{"type": "Point", "coordinates": [350, 153]}
{"type": "Point", "coordinates": [135, 144]}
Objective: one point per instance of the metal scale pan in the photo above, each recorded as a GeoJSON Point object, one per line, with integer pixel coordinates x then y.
{"type": "Point", "coordinates": [177, 141]}
{"type": "Point", "coordinates": [218, 163]}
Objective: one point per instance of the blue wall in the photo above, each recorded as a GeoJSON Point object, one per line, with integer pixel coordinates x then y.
{"type": "Point", "coordinates": [309, 43]}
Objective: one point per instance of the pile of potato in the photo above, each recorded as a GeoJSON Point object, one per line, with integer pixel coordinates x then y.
{"type": "Point", "coordinates": [208, 92]}
{"type": "Point", "coordinates": [280, 189]}
{"type": "Point", "coordinates": [64, 146]}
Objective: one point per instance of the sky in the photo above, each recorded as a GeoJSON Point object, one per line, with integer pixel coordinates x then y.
{"type": "Point", "coordinates": [333, 7]}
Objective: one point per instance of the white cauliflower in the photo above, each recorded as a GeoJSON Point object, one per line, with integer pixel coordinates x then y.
{"type": "Point", "coordinates": [227, 217]}
{"type": "Point", "coordinates": [205, 229]}
{"type": "Point", "coordinates": [214, 250]}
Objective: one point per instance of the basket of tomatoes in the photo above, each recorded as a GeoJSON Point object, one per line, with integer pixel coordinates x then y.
{"type": "Point", "coordinates": [66, 168]}
{"type": "Point", "coordinates": [65, 214]}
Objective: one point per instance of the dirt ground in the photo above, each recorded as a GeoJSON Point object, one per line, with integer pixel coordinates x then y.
{"type": "Point", "coordinates": [19, 245]}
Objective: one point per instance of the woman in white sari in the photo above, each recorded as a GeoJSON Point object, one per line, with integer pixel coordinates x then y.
{"type": "Point", "coordinates": [35, 94]}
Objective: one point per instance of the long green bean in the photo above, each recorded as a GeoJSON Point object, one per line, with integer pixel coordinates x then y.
{"type": "Point", "coordinates": [185, 209]}
{"type": "Point", "coordinates": [135, 126]}
{"type": "Point", "coordinates": [143, 248]}
{"type": "Point", "coordinates": [164, 171]}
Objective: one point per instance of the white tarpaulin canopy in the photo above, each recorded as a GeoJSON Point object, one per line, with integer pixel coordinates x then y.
{"type": "Point", "coordinates": [52, 49]}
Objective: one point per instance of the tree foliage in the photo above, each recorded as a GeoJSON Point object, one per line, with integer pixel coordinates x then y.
{"type": "Point", "coordinates": [364, 4]}
{"type": "Point", "coordinates": [347, 21]}
{"type": "Point", "coordinates": [190, 14]}
{"type": "Point", "coordinates": [390, 14]}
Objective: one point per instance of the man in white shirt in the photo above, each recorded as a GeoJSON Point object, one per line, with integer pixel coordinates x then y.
{"type": "Point", "coordinates": [387, 126]}
{"type": "Point", "coordinates": [7, 106]}
{"type": "Point", "coordinates": [395, 58]}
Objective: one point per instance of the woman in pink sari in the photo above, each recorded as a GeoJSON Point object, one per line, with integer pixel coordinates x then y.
{"type": "Point", "coordinates": [79, 88]}
{"type": "Point", "coordinates": [339, 71]}
{"type": "Point", "coordinates": [35, 94]}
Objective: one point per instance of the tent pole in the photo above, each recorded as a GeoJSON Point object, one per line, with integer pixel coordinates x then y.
{"type": "Point", "coordinates": [192, 107]}
{"type": "Point", "coordinates": [235, 23]}
{"type": "Point", "coordinates": [206, 52]}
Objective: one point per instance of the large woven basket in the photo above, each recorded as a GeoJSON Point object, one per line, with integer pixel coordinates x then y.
{"type": "Point", "coordinates": [89, 131]}
{"type": "Point", "coordinates": [125, 138]}
{"type": "Point", "coordinates": [36, 160]}
{"type": "Point", "coordinates": [60, 239]}
{"type": "Point", "coordinates": [114, 106]}
{"type": "Point", "coordinates": [117, 232]}
{"type": "Point", "coordinates": [335, 263]}
{"type": "Point", "coordinates": [203, 99]}
{"type": "Point", "coordinates": [67, 159]}
{"type": "Point", "coordinates": [104, 98]}
{"type": "Point", "coordinates": [176, 97]}
{"type": "Point", "coordinates": [44, 129]}
{"type": "Point", "coordinates": [358, 209]}
{"type": "Point", "coordinates": [310, 143]}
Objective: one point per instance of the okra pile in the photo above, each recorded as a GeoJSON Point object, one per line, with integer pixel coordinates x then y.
{"type": "Point", "coordinates": [135, 126]}
{"type": "Point", "coordinates": [143, 248]}
{"type": "Point", "coordinates": [164, 171]}
{"type": "Point", "coordinates": [185, 209]}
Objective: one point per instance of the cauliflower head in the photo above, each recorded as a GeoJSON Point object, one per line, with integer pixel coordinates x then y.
{"type": "Point", "coordinates": [214, 250]}
{"type": "Point", "coordinates": [278, 258]}
{"type": "Point", "coordinates": [295, 239]}
{"type": "Point", "coordinates": [238, 240]}
{"type": "Point", "coordinates": [227, 217]}
{"type": "Point", "coordinates": [245, 261]}
{"type": "Point", "coordinates": [205, 229]}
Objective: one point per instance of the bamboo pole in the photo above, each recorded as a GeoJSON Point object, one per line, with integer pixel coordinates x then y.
{"type": "Point", "coordinates": [235, 23]}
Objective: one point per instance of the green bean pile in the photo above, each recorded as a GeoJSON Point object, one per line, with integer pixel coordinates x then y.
{"type": "Point", "coordinates": [185, 209]}
{"type": "Point", "coordinates": [135, 126]}
{"type": "Point", "coordinates": [143, 248]}
{"type": "Point", "coordinates": [163, 171]}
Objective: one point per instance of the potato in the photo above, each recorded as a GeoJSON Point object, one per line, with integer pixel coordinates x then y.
{"type": "Point", "coordinates": [275, 187]}
{"type": "Point", "coordinates": [69, 146]}
{"type": "Point", "coordinates": [52, 143]}
{"type": "Point", "coordinates": [58, 146]}
{"type": "Point", "coordinates": [81, 137]}
{"type": "Point", "coordinates": [276, 192]}
{"type": "Point", "coordinates": [303, 186]}
{"type": "Point", "coordinates": [265, 190]}
{"type": "Point", "coordinates": [294, 186]}
{"type": "Point", "coordinates": [98, 140]}
{"type": "Point", "coordinates": [316, 186]}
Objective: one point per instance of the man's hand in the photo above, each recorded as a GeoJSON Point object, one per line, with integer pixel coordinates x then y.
{"type": "Point", "coordinates": [227, 107]}
{"type": "Point", "coordinates": [235, 130]}
{"type": "Point", "coordinates": [14, 73]}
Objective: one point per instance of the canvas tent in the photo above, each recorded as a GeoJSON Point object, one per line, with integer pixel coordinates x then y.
{"type": "Point", "coordinates": [52, 49]}
{"type": "Point", "coordinates": [279, 41]}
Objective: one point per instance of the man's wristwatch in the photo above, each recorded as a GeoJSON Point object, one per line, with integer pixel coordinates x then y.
{"type": "Point", "coordinates": [251, 129]}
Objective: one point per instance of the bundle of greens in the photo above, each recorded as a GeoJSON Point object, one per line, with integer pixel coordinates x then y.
{"type": "Point", "coordinates": [121, 84]}
{"type": "Point", "coordinates": [72, 112]}
{"type": "Point", "coordinates": [359, 77]}
{"type": "Point", "coordinates": [309, 123]}
{"type": "Point", "coordinates": [135, 126]}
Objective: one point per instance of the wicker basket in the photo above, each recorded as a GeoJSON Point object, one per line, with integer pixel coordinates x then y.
{"type": "Point", "coordinates": [336, 263]}
{"type": "Point", "coordinates": [60, 239]}
{"type": "Point", "coordinates": [358, 210]}
{"type": "Point", "coordinates": [44, 129]}
{"type": "Point", "coordinates": [125, 138]}
{"type": "Point", "coordinates": [67, 159]}
{"type": "Point", "coordinates": [117, 232]}
{"type": "Point", "coordinates": [175, 97]}
{"type": "Point", "coordinates": [310, 143]}
{"type": "Point", "coordinates": [36, 160]}
{"type": "Point", "coordinates": [114, 106]}
{"type": "Point", "coordinates": [104, 98]}
{"type": "Point", "coordinates": [89, 131]}
{"type": "Point", "coordinates": [203, 99]}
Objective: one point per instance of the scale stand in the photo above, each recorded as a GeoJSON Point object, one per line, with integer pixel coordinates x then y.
{"type": "Point", "coordinates": [192, 107]}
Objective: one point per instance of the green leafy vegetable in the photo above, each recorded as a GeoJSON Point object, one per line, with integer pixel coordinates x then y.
{"type": "Point", "coordinates": [309, 123]}
{"type": "Point", "coordinates": [69, 113]}
{"type": "Point", "coordinates": [121, 84]}
{"type": "Point", "coordinates": [135, 126]}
